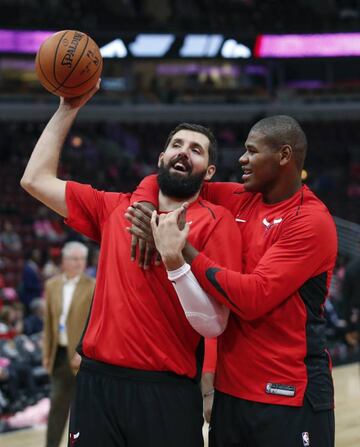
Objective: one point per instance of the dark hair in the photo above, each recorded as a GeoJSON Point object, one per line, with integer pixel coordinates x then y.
{"type": "Point", "coordinates": [283, 129]}
{"type": "Point", "coordinates": [200, 129]}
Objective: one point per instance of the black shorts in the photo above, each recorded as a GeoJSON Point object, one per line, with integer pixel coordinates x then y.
{"type": "Point", "coordinates": [120, 407]}
{"type": "Point", "coordinates": [242, 423]}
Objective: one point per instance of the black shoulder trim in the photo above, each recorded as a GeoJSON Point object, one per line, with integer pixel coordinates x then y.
{"type": "Point", "coordinates": [201, 203]}
{"type": "Point", "coordinates": [211, 276]}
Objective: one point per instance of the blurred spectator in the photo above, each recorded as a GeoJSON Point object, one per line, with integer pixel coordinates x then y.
{"type": "Point", "coordinates": [8, 294]}
{"type": "Point", "coordinates": [335, 326]}
{"type": "Point", "coordinates": [2, 281]}
{"type": "Point", "coordinates": [20, 385]}
{"type": "Point", "coordinates": [7, 316]}
{"type": "Point", "coordinates": [351, 298]}
{"type": "Point", "coordinates": [52, 267]}
{"type": "Point", "coordinates": [4, 376]}
{"type": "Point", "coordinates": [18, 317]}
{"type": "Point", "coordinates": [92, 268]}
{"type": "Point", "coordinates": [31, 281]}
{"type": "Point", "coordinates": [34, 323]}
{"type": "Point", "coordinates": [46, 228]}
{"type": "Point", "coordinates": [68, 298]}
{"type": "Point", "coordinates": [9, 239]}
{"type": "Point", "coordinates": [335, 290]}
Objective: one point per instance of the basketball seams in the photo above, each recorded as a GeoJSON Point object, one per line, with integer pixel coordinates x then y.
{"type": "Point", "coordinates": [42, 71]}
{"type": "Point", "coordinates": [76, 64]}
{"type": "Point", "coordinates": [42, 46]}
{"type": "Point", "coordinates": [49, 67]}
{"type": "Point", "coordinates": [54, 61]}
{"type": "Point", "coordinates": [88, 79]}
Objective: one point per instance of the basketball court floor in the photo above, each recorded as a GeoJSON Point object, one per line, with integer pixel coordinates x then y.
{"type": "Point", "coordinates": [347, 389]}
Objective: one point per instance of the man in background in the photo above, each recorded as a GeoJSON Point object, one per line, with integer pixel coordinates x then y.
{"type": "Point", "coordinates": [68, 298]}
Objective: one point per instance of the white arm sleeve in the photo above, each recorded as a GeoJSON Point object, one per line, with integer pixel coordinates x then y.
{"type": "Point", "coordinates": [204, 313]}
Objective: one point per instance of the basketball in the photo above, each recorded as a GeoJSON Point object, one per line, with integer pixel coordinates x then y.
{"type": "Point", "coordinates": [68, 63]}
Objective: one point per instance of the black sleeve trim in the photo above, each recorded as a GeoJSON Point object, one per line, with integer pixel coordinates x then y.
{"type": "Point", "coordinates": [201, 203]}
{"type": "Point", "coordinates": [211, 276]}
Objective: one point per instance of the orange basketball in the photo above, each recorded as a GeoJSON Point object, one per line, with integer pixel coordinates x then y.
{"type": "Point", "coordinates": [68, 63]}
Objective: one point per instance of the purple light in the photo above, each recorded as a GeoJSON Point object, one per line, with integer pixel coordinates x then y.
{"type": "Point", "coordinates": [308, 45]}
{"type": "Point", "coordinates": [191, 68]}
{"type": "Point", "coordinates": [22, 41]}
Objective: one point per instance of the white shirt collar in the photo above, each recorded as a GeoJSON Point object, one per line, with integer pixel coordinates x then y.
{"type": "Point", "coordinates": [67, 280]}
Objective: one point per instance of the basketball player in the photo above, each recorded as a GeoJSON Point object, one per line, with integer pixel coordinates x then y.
{"type": "Point", "coordinates": [138, 380]}
{"type": "Point", "coordinates": [273, 381]}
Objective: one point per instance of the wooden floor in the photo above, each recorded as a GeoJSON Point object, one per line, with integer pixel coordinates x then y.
{"type": "Point", "coordinates": [347, 389]}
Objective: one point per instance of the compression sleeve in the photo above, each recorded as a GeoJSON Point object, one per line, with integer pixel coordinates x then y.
{"type": "Point", "coordinates": [206, 315]}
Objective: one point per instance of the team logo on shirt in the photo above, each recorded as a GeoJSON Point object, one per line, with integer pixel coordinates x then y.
{"type": "Point", "coordinates": [73, 438]}
{"type": "Point", "coordinates": [268, 224]}
{"type": "Point", "coordinates": [305, 438]}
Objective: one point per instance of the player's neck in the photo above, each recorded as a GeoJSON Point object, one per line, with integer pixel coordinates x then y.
{"type": "Point", "coordinates": [282, 191]}
{"type": "Point", "coordinates": [167, 203]}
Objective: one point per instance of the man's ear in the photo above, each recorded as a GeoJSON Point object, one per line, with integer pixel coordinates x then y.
{"type": "Point", "coordinates": [211, 169]}
{"type": "Point", "coordinates": [286, 154]}
{"type": "Point", "coordinates": [161, 156]}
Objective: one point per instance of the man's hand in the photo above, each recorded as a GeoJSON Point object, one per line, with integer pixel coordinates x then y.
{"type": "Point", "coordinates": [79, 101]}
{"type": "Point", "coordinates": [139, 215]}
{"type": "Point", "coordinates": [75, 363]}
{"type": "Point", "coordinates": [169, 238]}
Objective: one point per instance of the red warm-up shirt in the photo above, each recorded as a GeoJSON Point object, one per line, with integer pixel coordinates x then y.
{"type": "Point", "coordinates": [276, 331]}
{"type": "Point", "coordinates": [136, 319]}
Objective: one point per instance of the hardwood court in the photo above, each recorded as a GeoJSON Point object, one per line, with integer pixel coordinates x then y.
{"type": "Point", "coordinates": [347, 389]}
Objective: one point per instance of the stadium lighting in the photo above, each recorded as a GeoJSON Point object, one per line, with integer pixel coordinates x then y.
{"type": "Point", "coordinates": [234, 49]}
{"type": "Point", "coordinates": [151, 45]}
{"type": "Point", "coordinates": [308, 45]}
{"type": "Point", "coordinates": [201, 45]}
{"type": "Point", "coordinates": [114, 49]}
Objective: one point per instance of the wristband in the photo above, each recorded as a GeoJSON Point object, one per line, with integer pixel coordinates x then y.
{"type": "Point", "coordinates": [209, 393]}
{"type": "Point", "coordinates": [178, 273]}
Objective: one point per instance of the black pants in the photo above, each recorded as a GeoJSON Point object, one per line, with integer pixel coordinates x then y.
{"type": "Point", "coordinates": [241, 423]}
{"type": "Point", "coordinates": [120, 407]}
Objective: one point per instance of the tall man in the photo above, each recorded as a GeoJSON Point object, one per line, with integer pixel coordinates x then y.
{"type": "Point", "coordinates": [67, 303]}
{"type": "Point", "coordinates": [137, 383]}
{"type": "Point", "coordinates": [272, 360]}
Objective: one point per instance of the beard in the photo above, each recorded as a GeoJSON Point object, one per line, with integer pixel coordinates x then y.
{"type": "Point", "coordinates": [177, 185]}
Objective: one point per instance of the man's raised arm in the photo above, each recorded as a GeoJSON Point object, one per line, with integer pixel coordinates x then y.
{"type": "Point", "coordinates": [40, 176]}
